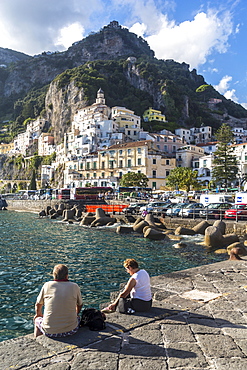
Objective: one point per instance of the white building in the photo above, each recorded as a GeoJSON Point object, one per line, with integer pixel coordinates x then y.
{"type": "Point", "coordinates": [188, 156]}
{"type": "Point", "coordinates": [195, 135]}
{"type": "Point", "coordinates": [46, 144]}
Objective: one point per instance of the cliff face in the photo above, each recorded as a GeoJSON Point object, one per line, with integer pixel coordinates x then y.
{"type": "Point", "coordinates": [61, 106]}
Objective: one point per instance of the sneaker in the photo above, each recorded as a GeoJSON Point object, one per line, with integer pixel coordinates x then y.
{"type": "Point", "coordinates": [130, 311]}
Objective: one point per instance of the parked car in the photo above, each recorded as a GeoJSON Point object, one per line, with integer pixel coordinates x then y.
{"type": "Point", "coordinates": [237, 211]}
{"type": "Point", "coordinates": [134, 208]}
{"type": "Point", "coordinates": [153, 205]}
{"type": "Point", "coordinates": [161, 211]}
{"type": "Point", "coordinates": [215, 210]}
{"type": "Point", "coordinates": [174, 211]}
{"type": "Point", "coordinates": [191, 210]}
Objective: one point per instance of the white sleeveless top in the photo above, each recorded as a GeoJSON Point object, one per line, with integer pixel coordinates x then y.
{"type": "Point", "coordinates": [142, 289]}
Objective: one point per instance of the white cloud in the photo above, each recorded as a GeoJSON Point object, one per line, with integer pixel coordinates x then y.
{"type": "Point", "coordinates": [223, 85]}
{"type": "Point", "coordinates": [34, 26]}
{"type": "Point", "coordinates": [224, 88]}
{"type": "Point", "coordinates": [70, 34]}
{"type": "Point", "coordinates": [192, 41]}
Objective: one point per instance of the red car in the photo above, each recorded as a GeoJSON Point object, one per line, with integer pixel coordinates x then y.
{"type": "Point", "coordinates": [238, 211]}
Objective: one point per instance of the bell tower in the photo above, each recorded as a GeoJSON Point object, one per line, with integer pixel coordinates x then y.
{"type": "Point", "coordinates": [100, 97]}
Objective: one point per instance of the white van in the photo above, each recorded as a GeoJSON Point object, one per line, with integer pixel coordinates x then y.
{"type": "Point", "coordinates": [206, 199]}
{"type": "Point", "coordinates": [241, 198]}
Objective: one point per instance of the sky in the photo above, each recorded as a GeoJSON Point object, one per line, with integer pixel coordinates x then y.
{"type": "Point", "coordinates": [210, 36]}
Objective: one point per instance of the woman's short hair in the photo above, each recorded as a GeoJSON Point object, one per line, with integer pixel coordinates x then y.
{"type": "Point", "coordinates": [130, 262]}
{"type": "Point", "coordinates": [60, 272]}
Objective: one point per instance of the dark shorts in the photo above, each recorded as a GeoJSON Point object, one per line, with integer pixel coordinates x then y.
{"type": "Point", "coordinates": [39, 320]}
{"type": "Point", "coordinates": [135, 304]}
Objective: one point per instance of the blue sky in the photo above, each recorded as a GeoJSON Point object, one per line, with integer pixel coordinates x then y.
{"type": "Point", "coordinates": [208, 35]}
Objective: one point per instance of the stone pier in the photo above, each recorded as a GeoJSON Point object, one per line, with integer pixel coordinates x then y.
{"type": "Point", "coordinates": [198, 321]}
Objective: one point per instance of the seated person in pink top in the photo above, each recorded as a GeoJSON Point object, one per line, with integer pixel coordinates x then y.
{"type": "Point", "coordinates": [62, 303]}
{"type": "Point", "coordinates": [136, 295]}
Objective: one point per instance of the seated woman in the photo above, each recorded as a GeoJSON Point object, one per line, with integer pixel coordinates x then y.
{"type": "Point", "coordinates": [136, 295]}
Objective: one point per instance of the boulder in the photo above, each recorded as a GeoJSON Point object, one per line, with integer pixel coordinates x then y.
{"type": "Point", "coordinates": [152, 221]}
{"type": "Point", "coordinates": [229, 239]}
{"type": "Point", "coordinates": [184, 231]}
{"type": "Point", "coordinates": [180, 245]}
{"type": "Point", "coordinates": [242, 251]}
{"type": "Point", "coordinates": [174, 237]}
{"type": "Point", "coordinates": [52, 211]}
{"type": "Point", "coordinates": [140, 226]}
{"type": "Point", "coordinates": [102, 221]}
{"type": "Point", "coordinates": [124, 230]}
{"type": "Point", "coordinates": [137, 221]}
{"type": "Point", "coordinates": [54, 216]}
{"type": "Point", "coordinates": [213, 237]}
{"type": "Point", "coordinates": [220, 251]}
{"type": "Point", "coordinates": [221, 225]}
{"type": "Point", "coordinates": [69, 214]}
{"type": "Point", "coordinates": [87, 220]}
{"type": "Point", "coordinates": [42, 213]}
{"type": "Point", "coordinates": [99, 212]}
{"type": "Point", "coordinates": [153, 234]}
{"type": "Point", "coordinates": [201, 227]}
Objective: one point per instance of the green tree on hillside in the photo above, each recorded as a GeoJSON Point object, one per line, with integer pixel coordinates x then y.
{"type": "Point", "coordinates": [32, 185]}
{"type": "Point", "coordinates": [183, 178]}
{"type": "Point", "coordinates": [134, 179]}
{"type": "Point", "coordinates": [225, 163]}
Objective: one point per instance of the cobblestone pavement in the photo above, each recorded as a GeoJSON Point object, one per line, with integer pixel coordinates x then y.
{"type": "Point", "coordinates": [198, 321]}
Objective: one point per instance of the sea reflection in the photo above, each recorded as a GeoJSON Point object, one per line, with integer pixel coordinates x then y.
{"type": "Point", "coordinates": [30, 247]}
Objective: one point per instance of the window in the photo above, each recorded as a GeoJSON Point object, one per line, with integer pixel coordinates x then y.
{"type": "Point", "coordinates": [103, 175]}
{"type": "Point", "coordinates": [81, 166]}
{"type": "Point", "coordinates": [139, 161]}
{"type": "Point", "coordinates": [154, 173]}
{"type": "Point", "coordinates": [129, 151]}
{"type": "Point", "coordinates": [167, 173]}
{"type": "Point", "coordinates": [128, 132]}
{"type": "Point", "coordinates": [120, 152]}
{"type": "Point", "coordinates": [120, 163]}
{"type": "Point", "coordinates": [103, 165]}
{"type": "Point", "coordinates": [94, 165]}
{"type": "Point", "coordinates": [88, 166]}
{"type": "Point", "coordinates": [88, 175]}
{"type": "Point", "coordinates": [94, 175]}
{"type": "Point", "coordinates": [139, 150]}
{"type": "Point", "coordinates": [167, 162]}
{"type": "Point", "coordinates": [129, 163]}
{"type": "Point", "coordinates": [154, 185]}
{"type": "Point", "coordinates": [154, 161]}
{"type": "Point", "coordinates": [135, 133]}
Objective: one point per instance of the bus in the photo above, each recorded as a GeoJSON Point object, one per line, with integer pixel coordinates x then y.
{"type": "Point", "coordinates": [61, 193]}
{"type": "Point", "coordinates": [135, 192]}
{"type": "Point", "coordinates": [95, 192]}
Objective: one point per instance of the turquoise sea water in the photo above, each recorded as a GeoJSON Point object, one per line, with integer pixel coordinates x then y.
{"type": "Point", "coordinates": [30, 247]}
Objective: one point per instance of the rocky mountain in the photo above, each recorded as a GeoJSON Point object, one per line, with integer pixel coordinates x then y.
{"type": "Point", "coordinates": [8, 56]}
{"type": "Point", "coordinates": [55, 85]}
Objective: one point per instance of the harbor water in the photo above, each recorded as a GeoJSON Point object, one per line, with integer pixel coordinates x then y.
{"type": "Point", "coordinates": [30, 247]}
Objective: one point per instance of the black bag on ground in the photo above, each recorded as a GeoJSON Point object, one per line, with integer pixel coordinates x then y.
{"type": "Point", "coordinates": [93, 318]}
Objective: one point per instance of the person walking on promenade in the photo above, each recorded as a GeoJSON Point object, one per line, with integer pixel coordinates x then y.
{"type": "Point", "coordinates": [62, 303]}
{"type": "Point", "coordinates": [136, 295]}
